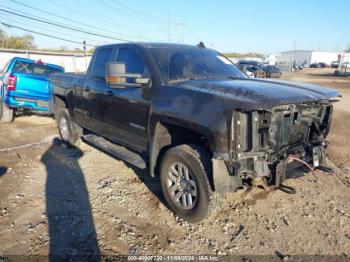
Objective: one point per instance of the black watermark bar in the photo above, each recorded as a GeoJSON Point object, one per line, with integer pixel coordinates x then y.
{"type": "Point", "coordinates": [180, 258]}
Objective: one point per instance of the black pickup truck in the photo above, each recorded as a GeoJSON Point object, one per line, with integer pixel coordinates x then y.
{"type": "Point", "coordinates": [191, 117]}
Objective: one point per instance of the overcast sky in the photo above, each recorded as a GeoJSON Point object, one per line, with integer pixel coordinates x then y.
{"type": "Point", "coordinates": [226, 25]}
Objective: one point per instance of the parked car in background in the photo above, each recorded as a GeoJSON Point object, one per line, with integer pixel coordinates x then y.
{"type": "Point", "coordinates": [24, 86]}
{"type": "Point", "coordinates": [323, 65]}
{"type": "Point", "coordinates": [315, 65]}
{"type": "Point", "coordinates": [319, 65]}
{"type": "Point", "coordinates": [249, 74]}
{"type": "Point", "coordinates": [254, 67]}
{"type": "Point", "coordinates": [272, 71]}
{"type": "Point", "coordinates": [335, 64]}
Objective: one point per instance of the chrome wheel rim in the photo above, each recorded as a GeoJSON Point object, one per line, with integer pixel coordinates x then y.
{"type": "Point", "coordinates": [63, 126]}
{"type": "Point", "coordinates": [182, 186]}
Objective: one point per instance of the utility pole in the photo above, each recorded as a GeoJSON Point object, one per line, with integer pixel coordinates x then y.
{"type": "Point", "coordinates": [293, 55]}
{"type": "Point", "coordinates": [85, 51]}
{"type": "Point", "coordinates": [169, 26]}
{"type": "Point", "coordinates": [180, 32]}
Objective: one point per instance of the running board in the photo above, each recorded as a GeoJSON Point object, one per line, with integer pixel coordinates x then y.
{"type": "Point", "coordinates": [115, 150]}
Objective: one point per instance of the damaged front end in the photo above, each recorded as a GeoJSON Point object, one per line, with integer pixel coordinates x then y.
{"type": "Point", "coordinates": [263, 144]}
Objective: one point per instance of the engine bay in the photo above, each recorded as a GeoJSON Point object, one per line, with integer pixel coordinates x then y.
{"type": "Point", "coordinates": [264, 143]}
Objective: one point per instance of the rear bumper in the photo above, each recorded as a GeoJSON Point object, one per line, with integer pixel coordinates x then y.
{"type": "Point", "coordinates": [31, 104]}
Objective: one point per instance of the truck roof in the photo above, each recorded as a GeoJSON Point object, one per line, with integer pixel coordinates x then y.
{"type": "Point", "coordinates": [151, 45]}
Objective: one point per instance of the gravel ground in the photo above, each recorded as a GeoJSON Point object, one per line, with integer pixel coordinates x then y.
{"type": "Point", "coordinates": [80, 201]}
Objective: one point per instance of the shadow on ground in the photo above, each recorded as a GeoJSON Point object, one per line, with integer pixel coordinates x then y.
{"type": "Point", "coordinates": [153, 184]}
{"type": "Point", "coordinates": [3, 170]}
{"type": "Point", "coordinates": [71, 227]}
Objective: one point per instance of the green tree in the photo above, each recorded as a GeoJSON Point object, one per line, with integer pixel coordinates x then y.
{"type": "Point", "coordinates": [21, 42]}
{"type": "Point", "coordinates": [2, 38]}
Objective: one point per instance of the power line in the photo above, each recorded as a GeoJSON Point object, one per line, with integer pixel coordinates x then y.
{"type": "Point", "coordinates": [134, 12]}
{"type": "Point", "coordinates": [63, 26]}
{"type": "Point", "coordinates": [75, 21]}
{"type": "Point", "coordinates": [39, 33]}
{"type": "Point", "coordinates": [119, 14]}
{"type": "Point", "coordinates": [193, 33]}
{"type": "Point", "coordinates": [62, 17]}
{"type": "Point", "coordinates": [108, 18]}
{"type": "Point", "coordinates": [121, 34]}
{"type": "Point", "coordinates": [20, 22]}
{"type": "Point", "coordinates": [129, 8]}
{"type": "Point", "coordinates": [80, 11]}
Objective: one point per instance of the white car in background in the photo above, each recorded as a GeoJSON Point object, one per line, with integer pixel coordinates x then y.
{"type": "Point", "coordinates": [250, 74]}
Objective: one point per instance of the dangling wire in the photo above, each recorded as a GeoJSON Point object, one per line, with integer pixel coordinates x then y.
{"type": "Point", "coordinates": [312, 169]}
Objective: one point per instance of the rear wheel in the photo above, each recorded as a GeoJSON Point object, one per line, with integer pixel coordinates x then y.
{"type": "Point", "coordinates": [6, 113]}
{"type": "Point", "coordinates": [68, 130]}
{"type": "Point", "coordinates": [260, 74]}
{"type": "Point", "coordinates": [185, 184]}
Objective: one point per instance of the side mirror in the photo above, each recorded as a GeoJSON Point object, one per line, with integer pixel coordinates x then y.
{"type": "Point", "coordinates": [116, 76]}
{"type": "Point", "coordinates": [115, 73]}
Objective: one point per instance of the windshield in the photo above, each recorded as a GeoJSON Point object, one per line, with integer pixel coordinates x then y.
{"type": "Point", "coordinates": [192, 63]}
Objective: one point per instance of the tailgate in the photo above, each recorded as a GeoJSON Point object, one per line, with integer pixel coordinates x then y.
{"type": "Point", "coordinates": [31, 86]}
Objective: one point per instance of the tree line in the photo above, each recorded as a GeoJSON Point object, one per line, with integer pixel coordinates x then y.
{"type": "Point", "coordinates": [25, 41]}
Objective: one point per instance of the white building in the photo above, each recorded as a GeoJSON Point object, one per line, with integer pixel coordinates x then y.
{"type": "Point", "coordinates": [72, 62]}
{"type": "Point", "coordinates": [272, 59]}
{"type": "Point", "coordinates": [308, 57]}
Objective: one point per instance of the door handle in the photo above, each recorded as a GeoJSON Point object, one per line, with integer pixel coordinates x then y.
{"type": "Point", "coordinates": [87, 89]}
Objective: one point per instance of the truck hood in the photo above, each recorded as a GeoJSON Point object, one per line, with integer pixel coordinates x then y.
{"type": "Point", "coordinates": [257, 94]}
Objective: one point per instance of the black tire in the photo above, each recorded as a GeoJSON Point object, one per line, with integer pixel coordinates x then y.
{"type": "Point", "coordinates": [69, 132]}
{"type": "Point", "coordinates": [6, 113]}
{"type": "Point", "coordinates": [259, 74]}
{"type": "Point", "coordinates": [198, 161]}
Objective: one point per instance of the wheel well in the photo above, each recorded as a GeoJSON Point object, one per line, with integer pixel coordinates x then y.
{"type": "Point", "coordinates": [182, 135]}
{"type": "Point", "coordinates": [167, 136]}
{"type": "Point", "coordinates": [60, 101]}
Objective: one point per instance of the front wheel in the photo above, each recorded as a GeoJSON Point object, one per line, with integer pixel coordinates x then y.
{"type": "Point", "coordinates": [185, 184]}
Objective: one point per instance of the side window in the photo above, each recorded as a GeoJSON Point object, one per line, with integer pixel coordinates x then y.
{"type": "Point", "coordinates": [101, 59]}
{"type": "Point", "coordinates": [133, 61]}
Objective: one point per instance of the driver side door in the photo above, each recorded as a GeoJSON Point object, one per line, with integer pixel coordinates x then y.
{"type": "Point", "coordinates": [127, 107]}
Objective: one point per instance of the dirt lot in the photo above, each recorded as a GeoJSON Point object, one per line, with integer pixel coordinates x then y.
{"type": "Point", "coordinates": [79, 201]}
